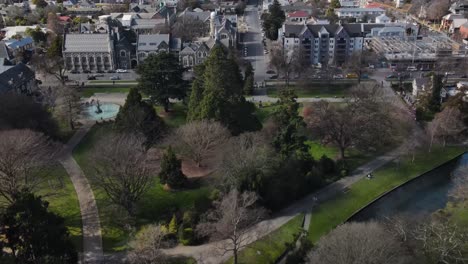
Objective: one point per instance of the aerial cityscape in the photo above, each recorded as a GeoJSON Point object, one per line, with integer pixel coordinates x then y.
{"type": "Point", "coordinates": [234, 131]}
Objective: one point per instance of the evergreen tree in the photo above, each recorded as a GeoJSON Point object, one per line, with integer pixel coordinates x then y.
{"type": "Point", "coordinates": [32, 234]}
{"type": "Point", "coordinates": [335, 4]}
{"type": "Point", "coordinates": [55, 49]}
{"type": "Point", "coordinates": [161, 78]}
{"type": "Point", "coordinates": [248, 79]}
{"type": "Point", "coordinates": [222, 95]}
{"type": "Point", "coordinates": [197, 93]}
{"type": "Point", "coordinates": [137, 116]}
{"type": "Point", "coordinates": [273, 20]}
{"type": "Point", "coordinates": [171, 170]}
{"type": "Point", "coordinates": [289, 139]}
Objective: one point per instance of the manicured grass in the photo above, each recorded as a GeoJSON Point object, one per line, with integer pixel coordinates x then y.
{"type": "Point", "coordinates": [156, 204]}
{"type": "Point", "coordinates": [64, 202]}
{"type": "Point", "coordinates": [317, 150]}
{"type": "Point", "coordinates": [176, 116]}
{"type": "Point", "coordinates": [334, 212]}
{"type": "Point", "coordinates": [116, 81]}
{"type": "Point", "coordinates": [269, 248]}
{"type": "Point", "coordinates": [316, 90]}
{"type": "Point", "coordinates": [264, 112]}
{"type": "Point", "coordinates": [90, 91]}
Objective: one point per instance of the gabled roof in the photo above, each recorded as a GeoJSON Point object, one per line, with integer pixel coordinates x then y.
{"type": "Point", "coordinates": [203, 16]}
{"type": "Point", "coordinates": [15, 76]}
{"type": "Point", "coordinates": [152, 42]}
{"type": "Point", "coordinates": [87, 43]}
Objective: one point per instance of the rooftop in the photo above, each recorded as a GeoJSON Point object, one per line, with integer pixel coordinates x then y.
{"type": "Point", "coordinates": [87, 43]}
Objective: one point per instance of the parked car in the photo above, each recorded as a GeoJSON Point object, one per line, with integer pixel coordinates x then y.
{"type": "Point", "coordinates": [114, 78]}
{"type": "Point", "coordinates": [411, 68]}
{"type": "Point", "coordinates": [351, 76]}
{"type": "Point", "coordinates": [270, 72]}
{"type": "Point", "coordinates": [110, 71]}
{"type": "Point", "coordinates": [92, 77]}
{"type": "Point", "coordinates": [86, 71]}
{"type": "Point", "coordinates": [391, 76]}
{"type": "Point", "coordinates": [98, 75]}
{"type": "Point", "coordinates": [364, 76]}
{"type": "Point", "coordinates": [121, 71]}
{"type": "Point", "coordinates": [100, 71]}
{"type": "Point", "coordinates": [338, 76]}
{"type": "Point", "coordinates": [74, 72]}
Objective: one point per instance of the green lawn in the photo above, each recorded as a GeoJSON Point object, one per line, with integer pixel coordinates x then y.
{"type": "Point", "coordinates": [334, 212]}
{"type": "Point", "coordinates": [156, 205]}
{"type": "Point", "coordinates": [316, 90]}
{"type": "Point", "coordinates": [317, 150]}
{"type": "Point", "coordinates": [177, 115]}
{"type": "Point", "coordinates": [90, 91]}
{"type": "Point", "coordinates": [265, 112]}
{"type": "Point", "coordinates": [61, 195]}
{"type": "Point", "coordinates": [269, 248]}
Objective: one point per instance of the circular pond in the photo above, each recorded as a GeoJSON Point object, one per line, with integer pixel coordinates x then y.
{"type": "Point", "coordinates": [103, 111]}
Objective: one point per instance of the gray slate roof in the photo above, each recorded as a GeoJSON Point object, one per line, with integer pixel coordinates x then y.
{"type": "Point", "coordinates": [152, 41]}
{"type": "Point", "coordinates": [15, 76]}
{"type": "Point", "coordinates": [87, 43]}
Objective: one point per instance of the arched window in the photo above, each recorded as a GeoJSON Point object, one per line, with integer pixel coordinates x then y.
{"type": "Point", "coordinates": [185, 61]}
{"type": "Point", "coordinates": [191, 61]}
{"type": "Point", "coordinates": [123, 53]}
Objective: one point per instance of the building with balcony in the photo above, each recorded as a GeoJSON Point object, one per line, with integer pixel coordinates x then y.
{"type": "Point", "coordinates": [359, 13]}
{"type": "Point", "coordinates": [89, 52]}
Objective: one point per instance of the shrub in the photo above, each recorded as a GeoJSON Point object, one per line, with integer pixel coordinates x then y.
{"type": "Point", "coordinates": [187, 237]}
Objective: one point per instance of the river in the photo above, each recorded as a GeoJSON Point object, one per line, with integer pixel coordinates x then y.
{"type": "Point", "coordinates": [420, 197]}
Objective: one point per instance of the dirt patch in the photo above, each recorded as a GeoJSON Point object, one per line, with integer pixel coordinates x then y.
{"type": "Point", "coordinates": [191, 170]}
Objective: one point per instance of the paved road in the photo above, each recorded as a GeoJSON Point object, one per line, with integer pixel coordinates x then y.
{"type": "Point", "coordinates": [253, 41]}
{"type": "Point", "coordinates": [92, 239]}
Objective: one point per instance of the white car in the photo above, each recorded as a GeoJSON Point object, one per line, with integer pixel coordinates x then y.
{"type": "Point", "coordinates": [121, 71]}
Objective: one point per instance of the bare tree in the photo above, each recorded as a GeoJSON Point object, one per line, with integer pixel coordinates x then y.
{"type": "Point", "coordinates": [199, 140]}
{"type": "Point", "coordinates": [358, 63]}
{"type": "Point", "coordinates": [25, 156]}
{"type": "Point", "coordinates": [288, 62]}
{"type": "Point", "coordinates": [147, 245]}
{"type": "Point", "coordinates": [121, 170]}
{"type": "Point", "coordinates": [446, 124]}
{"type": "Point", "coordinates": [230, 220]}
{"type": "Point", "coordinates": [442, 242]}
{"type": "Point", "coordinates": [437, 8]}
{"type": "Point", "coordinates": [50, 65]}
{"type": "Point", "coordinates": [357, 243]}
{"type": "Point", "coordinates": [69, 104]}
{"type": "Point", "coordinates": [245, 159]}
{"type": "Point", "coordinates": [365, 122]}
{"type": "Point", "coordinates": [189, 28]}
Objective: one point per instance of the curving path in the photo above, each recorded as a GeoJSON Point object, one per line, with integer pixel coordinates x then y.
{"type": "Point", "coordinates": [92, 239]}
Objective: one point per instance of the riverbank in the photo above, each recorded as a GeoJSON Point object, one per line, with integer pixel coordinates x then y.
{"type": "Point", "coordinates": [334, 212]}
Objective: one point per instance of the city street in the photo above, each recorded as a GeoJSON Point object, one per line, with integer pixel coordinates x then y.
{"type": "Point", "coordinates": [253, 41]}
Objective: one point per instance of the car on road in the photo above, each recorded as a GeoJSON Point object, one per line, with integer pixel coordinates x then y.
{"type": "Point", "coordinates": [98, 75]}
{"type": "Point", "coordinates": [92, 77]}
{"type": "Point", "coordinates": [86, 71]}
{"type": "Point", "coordinates": [274, 77]}
{"type": "Point", "coordinates": [270, 72]}
{"type": "Point", "coordinates": [74, 72]}
{"type": "Point", "coordinates": [100, 71]}
{"type": "Point", "coordinates": [411, 68]}
{"type": "Point", "coordinates": [110, 71]}
{"type": "Point", "coordinates": [114, 78]}
{"type": "Point", "coordinates": [351, 76]}
{"type": "Point", "coordinates": [121, 71]}
{"type": "Point", "coordinates": [338, 76]}
{"type": "Point", "coordinates": [391, 76]}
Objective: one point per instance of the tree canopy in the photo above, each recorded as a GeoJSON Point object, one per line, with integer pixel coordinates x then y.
{"type": "Point", "coordinates": [161, 78]}
{"type": "Point", "coordinates": [218, 94]}
{"type": "Point", "coordinates": [35, 235]}
{"type": "Point", "coordinates": [273, 20]}
{"type": "Point", "coordinates": [171, 170]}
{"type": "Point", "coordinates": [138, 116]}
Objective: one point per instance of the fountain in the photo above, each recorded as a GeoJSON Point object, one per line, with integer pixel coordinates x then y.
{"type": "Point", "coordinates": [95, 110]}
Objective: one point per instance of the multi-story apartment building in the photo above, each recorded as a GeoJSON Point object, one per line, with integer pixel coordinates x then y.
{"type": "Point", "coordinates": [359, 12]}
{"type": "Point", "coordinates": [325, 44]}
